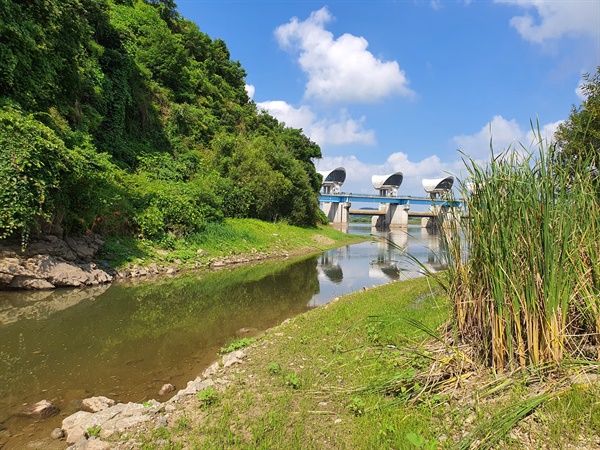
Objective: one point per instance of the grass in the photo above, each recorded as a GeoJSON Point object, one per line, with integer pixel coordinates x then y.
{"type": "Point", "coordinates": [342, 377]}
{"type": "Point", "coordinates": [230, 238]}
{"type": "Point", "coordinates": [529, 293]}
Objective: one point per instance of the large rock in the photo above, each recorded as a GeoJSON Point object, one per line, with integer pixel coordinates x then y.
{"type": "Point", "coordinates": [46, 272]}
{"type": "Point", "coordinates": [96, 404]}
{"type": "Point", "coordinates": [48, 262]}
{"type": "Point", "coordinates": [40, 410]}
{"type": "Point", "coordinates": [115, 419]}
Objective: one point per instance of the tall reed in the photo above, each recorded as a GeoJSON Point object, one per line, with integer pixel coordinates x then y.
{"type": "Point", "coordinates": [529, 291]}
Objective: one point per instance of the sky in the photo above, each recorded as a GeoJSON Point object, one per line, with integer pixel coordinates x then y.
{"type": "Point", "coordinates": [414, 86]}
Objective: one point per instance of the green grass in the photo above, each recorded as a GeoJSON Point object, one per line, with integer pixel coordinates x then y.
{"type": "Point", "coordinates": [230, 238]}
{"type": "Point", "coordinates": [371, 370]}
{"type": "Point", "coordinates": [529, 293]}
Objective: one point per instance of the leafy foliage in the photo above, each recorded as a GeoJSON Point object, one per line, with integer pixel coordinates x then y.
{"type": "Point", "coordinates": [579, 137]}
{"type": "Point", "coordinates": [125, 118]}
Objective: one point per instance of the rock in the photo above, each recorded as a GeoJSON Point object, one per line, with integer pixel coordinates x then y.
{"type": "Point", "coordinates": [211, 370]}
{"type": "Point", "coordinates": [48, 262]}
{"type": "Point", "coordinates": [161, 422]}
{"type": "Point", "coordinates": [233, 358]}
{"type": "Point", "coordinates": [96, 404]}
{"type": "Point", "coordinates": [192, 388]}
{"type": "Point", "coordinates": [40, 410]}
{"type": "Point", "coordinates": [75, 426]}
{"type": "Point", "coordinates": [115, 419]}
{"type": "Point", "coordinates": [57, 433]}
{"type": "Point", "coordinates": [167, 388]}
{"type": "Point", "coordinates": [201, 252]}
{"type": "Point", "coordinates": [29, 283]}
{"type": "Point", "coordinates": [90, 444]}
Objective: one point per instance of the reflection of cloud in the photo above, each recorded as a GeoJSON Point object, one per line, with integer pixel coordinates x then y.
{"type": "Point", "coordinates": [342, 69]}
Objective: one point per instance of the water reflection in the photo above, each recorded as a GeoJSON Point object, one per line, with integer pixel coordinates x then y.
{"type": "Point", "coordinates": [383, 259]}
{"type": "Point", "coordinates": [126, 341]}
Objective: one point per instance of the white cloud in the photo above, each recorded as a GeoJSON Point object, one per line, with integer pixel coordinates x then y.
{"type": "Point", "coordinates": [249, 90]}
{"type": "Point", "coordinates": [340, 130]}
{"type": "Point", "coordinates": [342, 69]}
{"type": "Point", "coordinates": [504, 134]}
{"type": "Point", "coordinates": [554, 19]}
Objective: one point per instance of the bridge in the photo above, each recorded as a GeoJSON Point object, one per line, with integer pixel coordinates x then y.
{"type": "Point", "coordinates": [393, 210]}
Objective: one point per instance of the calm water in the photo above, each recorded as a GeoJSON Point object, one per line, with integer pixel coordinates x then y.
{"type": "Point", "coordinates": [125, 341]}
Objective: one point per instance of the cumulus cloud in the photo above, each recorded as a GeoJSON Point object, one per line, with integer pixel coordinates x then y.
{"type": "Point", "coordinates": [339, 70]}
{"type": "Point", "coordinates": [342, 129]}
{"type": "Point", "coordinates": [503, 134]}
{"type": "Point", "coordinates": [550, 19]}
{"type": "Point", "coordinates": [249, 90]}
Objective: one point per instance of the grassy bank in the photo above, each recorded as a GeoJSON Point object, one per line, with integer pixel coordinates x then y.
{"type": "Point", "coordinates": [365, 372]}
{"type": "Point", "coordinates": [232, 237]}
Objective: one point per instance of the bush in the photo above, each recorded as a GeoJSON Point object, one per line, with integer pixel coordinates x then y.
{"type": "Point", "coordinates": [32, 162]}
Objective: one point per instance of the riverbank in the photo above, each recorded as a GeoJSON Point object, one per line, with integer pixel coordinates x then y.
{"type": "Point", "coordinates": [90, 260]}
{"type": "Point", "coordinates": [363, 372]}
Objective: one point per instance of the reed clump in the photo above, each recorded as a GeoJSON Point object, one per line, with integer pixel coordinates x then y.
{"type": "Point", "coordinates": [524, 268]}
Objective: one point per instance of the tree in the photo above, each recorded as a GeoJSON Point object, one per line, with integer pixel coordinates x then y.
{"type": "Point", "coordinates": [579, 136]}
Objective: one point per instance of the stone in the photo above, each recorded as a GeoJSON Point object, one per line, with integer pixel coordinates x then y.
{"type": "Point", "coordinates": [211, 370]}
{"type": "Point", "coordinates": [192, 388]}
{"type": "Point", "coordinates": [40, 410]}
{"type": "Point", "coordinates": [75, 426]}
{"type": "Point", "coordinates": [57, 433]}
{"type": "Point", "coordinates": [29, 283]}
{"type": "Point", "coordinates": [201, 252]}
{"type": "Point", "coordinates": [96, 404]}
{"type": "Point", "coordinates": [167, 388]}
{"type": "Point", "coordinates": [97, 444]}
{"type": "Point", "coordinates": [233, 358]}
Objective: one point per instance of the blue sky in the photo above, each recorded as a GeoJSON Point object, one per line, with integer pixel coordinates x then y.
{"type": "Point", "coordinates": [385, 86]}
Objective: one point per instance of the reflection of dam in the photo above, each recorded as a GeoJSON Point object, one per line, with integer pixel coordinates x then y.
{"type": "Point", "coordinates": [388, 252]}
{"type": "Point", "coordinates": [328, 265]}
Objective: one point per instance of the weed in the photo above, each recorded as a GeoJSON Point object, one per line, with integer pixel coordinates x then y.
{"type": "Point", "coordinates": [236, 344]}
{"type": "Point", "coordinates": [356, 406]}
{"type": "Point", "coordinates": [183, 423]}
{"type": "Point", "coordinates": [94, 431]}
{"type": "Point", "coordinates": [418, 441]}
{"type": "Point", "coordinates": [274, 368]}
{"type": "Point", "coordinates": [207, 397]}
{"type": "Point", "coordinates": [292, 380]}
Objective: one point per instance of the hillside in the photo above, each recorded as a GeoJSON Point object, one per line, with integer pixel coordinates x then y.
{"type": "Point", "coordinates": [124, 118]}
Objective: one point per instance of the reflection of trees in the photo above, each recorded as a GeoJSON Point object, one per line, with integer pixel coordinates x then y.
{"type": "Point", "coordinates": [256, 294]}
{"type": "Point", "coordinates": [328, 264]}
{"type": "Point", "coordinates": [147, 326]}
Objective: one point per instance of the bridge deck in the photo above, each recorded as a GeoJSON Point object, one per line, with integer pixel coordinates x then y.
{"type": "Point", "coordinates": [366, 198]}
{"type": "Point", "coordinates": [367, 212]}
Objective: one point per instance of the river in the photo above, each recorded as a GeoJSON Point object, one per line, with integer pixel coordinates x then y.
{"type": "Point", "coordinates": [126, 340]}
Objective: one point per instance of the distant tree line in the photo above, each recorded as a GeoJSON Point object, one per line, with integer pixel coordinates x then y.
{"type": "Point", "coordinates": [122, 117]}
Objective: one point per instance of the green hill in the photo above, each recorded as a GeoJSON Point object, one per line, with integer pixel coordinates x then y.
{"type": "Point", "coordinates": [122, 117]}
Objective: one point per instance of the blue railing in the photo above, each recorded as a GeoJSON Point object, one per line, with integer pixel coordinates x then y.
{"type": "Point", "coordinates": [344, 197]}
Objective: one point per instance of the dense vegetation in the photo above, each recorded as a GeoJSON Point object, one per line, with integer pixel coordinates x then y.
{"type": "Point", "coordinates": [122, 117]}
{"type": "Point", "coordinates": [578, 137]}
{"type": "Point", "coordinates": [529, 294]}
